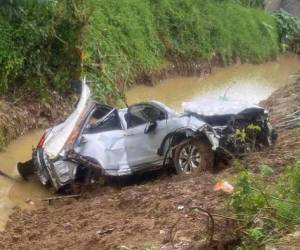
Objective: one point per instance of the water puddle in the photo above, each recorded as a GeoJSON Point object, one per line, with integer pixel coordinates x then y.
{"type": "Point", "coordinates": [19, 192]}
{"type": "Point", "coordinates": [247, 82]}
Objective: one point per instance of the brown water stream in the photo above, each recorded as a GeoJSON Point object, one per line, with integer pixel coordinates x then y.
{"type": "Point", "coordinates": [18, 192]}
{"type": "Point", "coordinates": [245, 82]}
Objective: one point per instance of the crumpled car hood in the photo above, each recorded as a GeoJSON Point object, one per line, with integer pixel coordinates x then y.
{"type": "Point", "coordinates": [217, 106]}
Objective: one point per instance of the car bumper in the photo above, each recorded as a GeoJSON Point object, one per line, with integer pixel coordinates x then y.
{"type": "Point", "coordinates": [58, 173]}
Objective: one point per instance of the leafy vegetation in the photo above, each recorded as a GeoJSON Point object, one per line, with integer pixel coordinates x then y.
{"type": "Point", "coordinates": [288, 26]}
{"type": "Point", "coordinates": [267, 211]}
{"type": "Point", "coordinates": [42, 41]}
{"type": "Point", "coordinates": [39, 44]}
{"type": "Point", "coordinates": [252, 3]}
{"type": "Point", "coordinates": [129, 37]}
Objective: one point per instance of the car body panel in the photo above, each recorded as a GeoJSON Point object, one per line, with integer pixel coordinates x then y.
{"type": "Point", "coordinates": [58, 136]}
{"type": "Point", "coordinates": [106, 148]}
{"type": "Point", "coordinates": [142, 148]}
{"type": "Point", "coordinates": [218, 106]}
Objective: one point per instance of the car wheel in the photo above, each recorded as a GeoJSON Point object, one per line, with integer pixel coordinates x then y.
{"type": "Point", "coordinates": [192, 156]}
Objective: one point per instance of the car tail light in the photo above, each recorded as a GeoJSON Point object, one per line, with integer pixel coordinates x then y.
{"type": "Point", "coordinates": [42, 141]}
{"type": "Point", "coordinates": [72, 136]}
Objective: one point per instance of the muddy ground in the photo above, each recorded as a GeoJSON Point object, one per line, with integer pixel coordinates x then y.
{"type": "Point", "coordinates": [151, 211]}
{"type": "Point", "coordinates": [283, 102]}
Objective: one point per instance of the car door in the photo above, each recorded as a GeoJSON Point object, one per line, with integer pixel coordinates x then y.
{"type": "Point", "coordinates": [104, 141]}
{"type": "Point", "coordinates": [142, 147]}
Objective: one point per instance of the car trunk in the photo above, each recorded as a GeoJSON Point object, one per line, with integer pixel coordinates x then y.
{"type": "Point", "coordinates": [62, 137]}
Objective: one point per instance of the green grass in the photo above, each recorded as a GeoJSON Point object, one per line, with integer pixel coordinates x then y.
{"type": "Point", "coordinates": [40, 43]}
{"type": "Point", "coordinates": [127, 37]}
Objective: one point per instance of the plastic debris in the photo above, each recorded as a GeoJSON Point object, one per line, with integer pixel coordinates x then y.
{"type": "Point", "coordinates": [30, 202]}
{"type": "Point", "coordinates": [225, 186]}
{"type": "Point", "coordinates": [180, 207]}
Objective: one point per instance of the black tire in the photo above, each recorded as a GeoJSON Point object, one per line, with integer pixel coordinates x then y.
{"type": "Point", "coordinates": [25, 169]}
{"type": "Point", "coordinates": [200, 157]}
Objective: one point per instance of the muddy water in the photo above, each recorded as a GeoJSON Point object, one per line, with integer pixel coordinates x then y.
{"type": "Point", "coordinates": [251, 82]}
{"type": "Point", "coordinates": [18, 192]}
{"type": "Point", "coordinates": [247, 82]}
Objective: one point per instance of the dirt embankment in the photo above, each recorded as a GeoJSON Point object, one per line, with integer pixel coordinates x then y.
{"type": "Point", "coordinates": [18, 118]}
{"type": "Point", "coordinates": [181, 68]}
{"type": "Point", "coordinates": [152, 213]}
{"type": "Point", "coordinates": [283, 102]}
{"type": "Point", "coordinates": [177, 68]}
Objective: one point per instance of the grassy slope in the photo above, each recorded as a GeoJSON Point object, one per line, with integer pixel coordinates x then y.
{"type": "Point", "coordinates": [130, 36]}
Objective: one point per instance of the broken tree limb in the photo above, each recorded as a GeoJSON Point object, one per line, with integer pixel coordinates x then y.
{"type": "Point", "coordinates": [276, 198]}
{"type": "Point", "coordinates": [7, 176]}
{"type": "Point", "coordinates": [50, 199]}
{"type": "Point", "coordinates": [226, 217]}
{"type": "Point", "coordinates": [211, 219]}
{"type": "Point", "coordinates": [171, 235]}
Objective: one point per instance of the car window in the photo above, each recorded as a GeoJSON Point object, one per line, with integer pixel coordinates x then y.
{"type": "Point", "coordinates": [112, 122]}
{"type": "Point", "coordinates": [143, 113]}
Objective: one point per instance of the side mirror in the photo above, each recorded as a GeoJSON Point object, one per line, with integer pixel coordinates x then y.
{"type": "Point", "coordinates": [150, 127]}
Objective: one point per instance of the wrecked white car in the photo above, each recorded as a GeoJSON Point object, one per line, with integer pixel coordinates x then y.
{"type": "Point", "coordinates": [99, 140]}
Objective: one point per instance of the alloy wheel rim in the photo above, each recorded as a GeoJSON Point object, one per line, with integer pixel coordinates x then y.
{"type": "Point", "coordinates": [189, 158]}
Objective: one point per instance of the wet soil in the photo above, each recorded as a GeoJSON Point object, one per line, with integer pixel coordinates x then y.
{"type": "Point", "coordinates": [152, 211]}
{"type": "Point", "coordinates": [283, 102]}
{"type": "Point", "coordinates": [139, 216]}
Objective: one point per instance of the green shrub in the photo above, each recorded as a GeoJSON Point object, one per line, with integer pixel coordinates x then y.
{"type": "Point", "coordinates": [287, 26]}
{"type": "Point", "coordinates": [11, 59]}
{"type": "Point", "coordinates": [269, 210]}
{"type": "Point", "coordinates": [39, 44]}
{"type": "Point", "coordinates": [245, 199]}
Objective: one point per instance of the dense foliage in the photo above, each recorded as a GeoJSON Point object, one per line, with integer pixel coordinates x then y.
{"type": "Point", "coordinates": [288, 26]}
{"type": "Point", "coordinates": [127, 37]}
{"type": "Point", "coordinates": [40, 44]}
{"type": "Point", "coordinates": [267, 211]}
{"type": "Point", "coordinates": [41, 41]}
